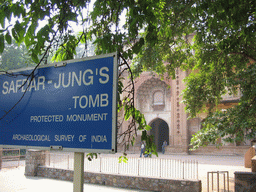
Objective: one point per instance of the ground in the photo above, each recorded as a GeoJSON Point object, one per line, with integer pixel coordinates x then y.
{"type": "Point", "coordinates": [13, 179]}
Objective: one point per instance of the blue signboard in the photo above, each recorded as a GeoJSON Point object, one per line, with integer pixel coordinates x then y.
{"type": "Point", "coordinates": [69, 106]}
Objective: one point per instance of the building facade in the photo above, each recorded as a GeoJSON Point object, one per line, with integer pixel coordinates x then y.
{"type": "Point", "coordinates": [160, 102]}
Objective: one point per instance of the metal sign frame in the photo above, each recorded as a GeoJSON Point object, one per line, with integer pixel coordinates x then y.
{"type": "Point", "coordinates": [55, 66]}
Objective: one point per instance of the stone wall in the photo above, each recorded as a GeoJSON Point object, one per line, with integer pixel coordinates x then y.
{"type": "Point", "coordinates": [132, 182]}
{"type": "Point", "coordinates": [248, 157]}
{"type": "Point", "coordinates": [35, 166]}
{"type": "Point", "coordinates": [208, 150]}
{"type": "Point", "coordinates": [254, 164]}
{"type": "Point", "coordinates": [224, 150]}
{"type": "Point", "coordinates": [245, 181]}
{"type": "Point", "coordinates": [34, 158]}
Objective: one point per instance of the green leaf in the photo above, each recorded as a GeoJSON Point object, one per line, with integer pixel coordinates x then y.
{"type": "Point", "coordinates": [34, 57]}
{"type": "Point", "coordinates": [2, 18]}
{"type": "Point", "coordinates": [144, 135]}
{"type": "Point", "coordinates": [1, 43]}
{"type": "Point", "coordinates": [27, 40]}
{"type": "Point", "coordinates": [8, 38]}
{"type": "Point", "coordinates": [137, 46]}
{"type": "Point", "coordinates": [123, 158]}
{"type": "Point", "coordinates": [133, 141]}
{"type": "Point", "coordinates": [127, 114]}
{"type": "Point", "coordinates": [91, 156]}
{"type": "Point", "coordinates": [19, 31]}
{"type": "Point", "coordinates": [147, 127]}
{"type": "Point", "coordinates": [15, 34]}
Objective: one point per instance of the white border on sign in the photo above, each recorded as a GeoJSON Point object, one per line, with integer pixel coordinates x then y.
{"type": "Point", "coordinates": [114, 107]}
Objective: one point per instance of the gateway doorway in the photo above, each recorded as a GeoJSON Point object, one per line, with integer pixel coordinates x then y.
{"type": "Point", "coordinates": [160, 130]}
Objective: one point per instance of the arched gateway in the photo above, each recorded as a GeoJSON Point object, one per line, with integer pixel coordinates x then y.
{"type": "Point", "coordinates": [160, 130]}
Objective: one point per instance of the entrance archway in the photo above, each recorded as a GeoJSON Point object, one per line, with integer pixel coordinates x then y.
{"type": "Point", "coordinates": [160, 130]}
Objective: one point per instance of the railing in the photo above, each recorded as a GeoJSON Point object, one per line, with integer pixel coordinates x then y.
{"type": "Point", "coordinates": [59, 160]}
{"type": "Point", "coordinates": [151, 167]}
{"type": "Point", "coordinates": [10, 158]}
{"type": "Point", "coordinates": [225, 182]}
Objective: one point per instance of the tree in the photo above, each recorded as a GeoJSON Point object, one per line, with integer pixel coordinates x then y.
{"type": "Point", "coordinates": [225, 55]}
{"type": "Point", "coordinates": [55, 35]}
{"type": "Point", "coordinates": [14, 57]}
{"type": "Point", "coordinates": [220, 58]}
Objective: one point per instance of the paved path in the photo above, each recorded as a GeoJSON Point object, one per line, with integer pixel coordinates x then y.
{"type": "Point", "coordinates": [13, 179]}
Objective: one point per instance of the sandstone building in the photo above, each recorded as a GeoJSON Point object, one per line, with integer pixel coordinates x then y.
{"type": "Point", "coordinates": [160, 102]}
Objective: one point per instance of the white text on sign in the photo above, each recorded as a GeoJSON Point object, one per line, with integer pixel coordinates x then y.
{"type": "Point", "coordinates": [65, 80]}
{"type": "Point", "coordinates": [99, 138]}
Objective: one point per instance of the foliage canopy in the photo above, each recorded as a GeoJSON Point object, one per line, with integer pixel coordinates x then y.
{"type": "Point", "coordinates": [220, 58]}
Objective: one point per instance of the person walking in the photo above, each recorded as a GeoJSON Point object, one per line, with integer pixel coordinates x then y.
{"type": "Point", "coordinates": [163, 146]}
{"type": "Point", "coordinates": [142, 148]}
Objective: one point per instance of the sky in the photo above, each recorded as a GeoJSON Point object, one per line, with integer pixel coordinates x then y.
{"type": "Point", "coordinates": [74, 26]}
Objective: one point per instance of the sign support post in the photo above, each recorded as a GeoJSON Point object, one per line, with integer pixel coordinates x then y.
{"type": "Point", "coordinates": [78, 182]}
